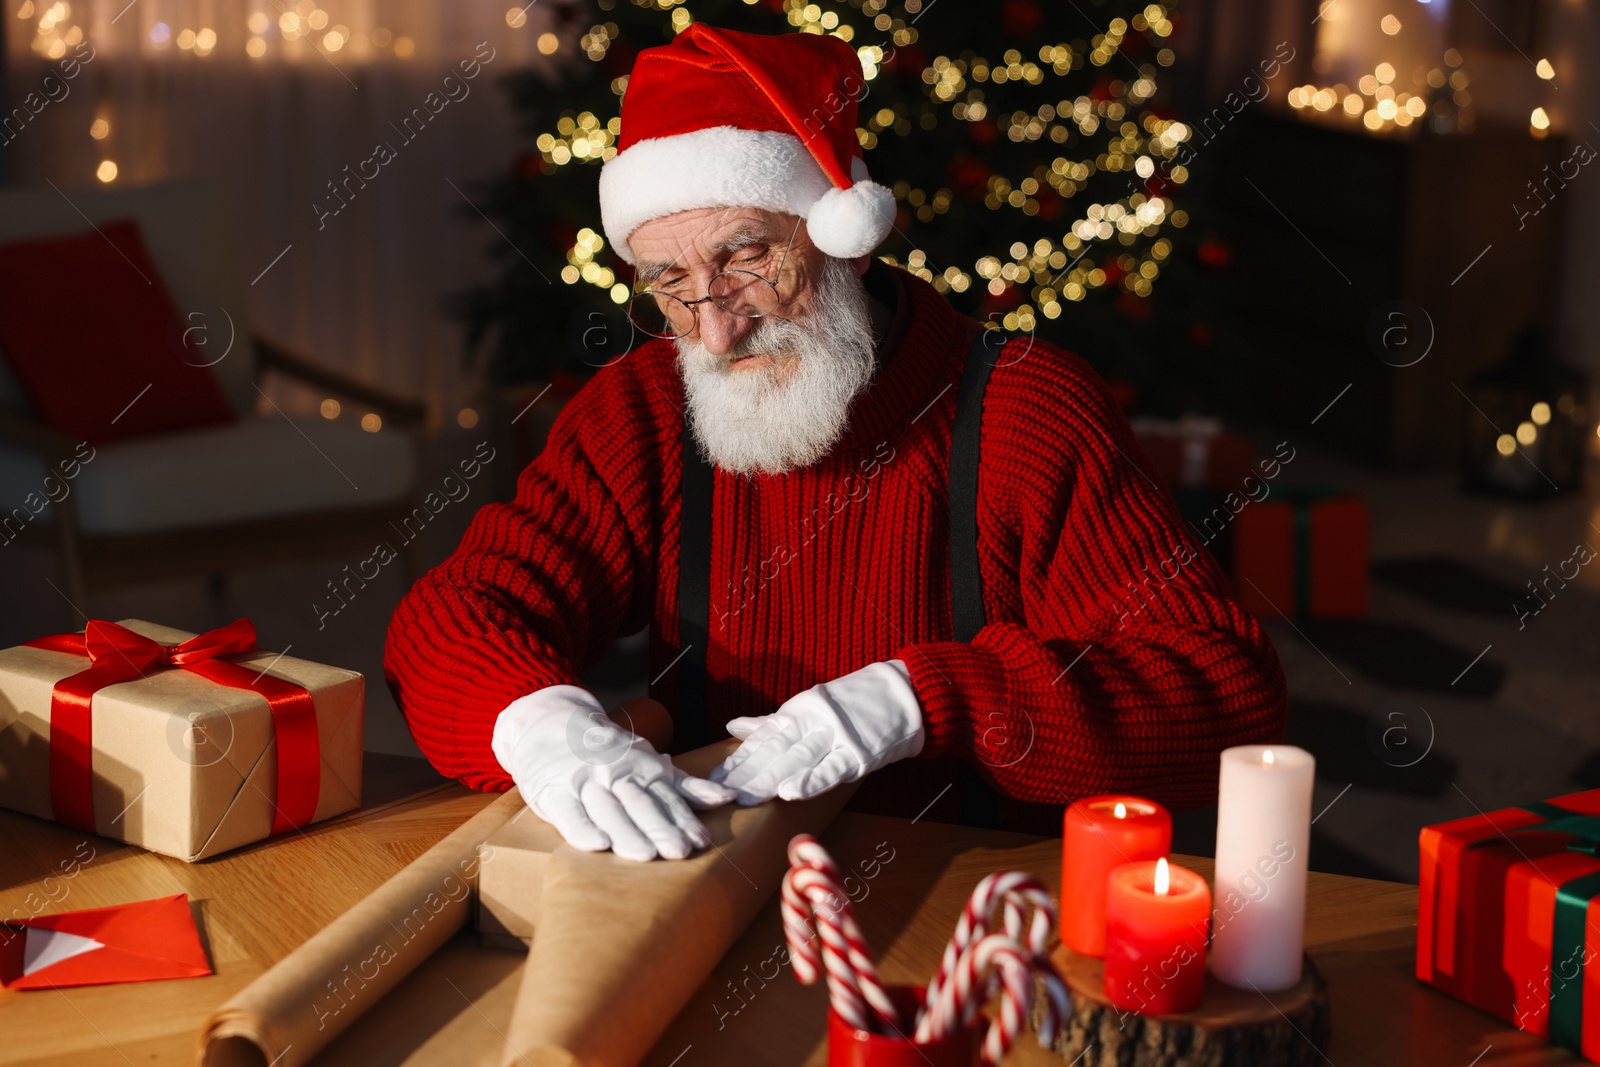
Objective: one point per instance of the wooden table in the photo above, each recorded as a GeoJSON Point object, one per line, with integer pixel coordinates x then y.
{"type": "Point", "coordinates": [256, 904]}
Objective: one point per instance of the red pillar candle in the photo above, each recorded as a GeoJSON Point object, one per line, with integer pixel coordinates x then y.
{"type": "Point", "coordinates": [1100, 834]}
{"type": "Point", "coordinates": [1156, 921]}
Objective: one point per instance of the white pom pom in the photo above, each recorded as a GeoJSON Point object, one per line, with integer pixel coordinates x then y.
{"type": "Point", "coordinates": [847, 223]}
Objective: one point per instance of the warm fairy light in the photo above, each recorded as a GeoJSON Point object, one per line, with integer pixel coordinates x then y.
{"type": "Point", "coordinates": [1163, 878]}
{"type": "Point", "coordinates": [516, 17]}
{"type": "Point", "coordinates": [466, 418]}
{"type": "Point", "coordinates": [1389, 105]}
{"type": "Point", "coordinates": [1505, 444]}
{"type": "Point", "coordinates": [1267, 757]}
{"type": "Point", "coordinates": [1056, 270]}
{"type": "Point", "coordinates": [99, 128]}
{"type": "Point", "coordinates": [330, 408]}
{"type": "Point", "coordinates": [1540, 413]}
{"type": "Point", "coordinates": [1539, 120]}
{"type": "Point", "coordinates": [1544, 69]}
{"type": "Point", "coordinates": [107, 171]}
{"type": "Point", "coordinates": [1390, 25]}
{"type": "Point", "coordinates": [371, 423]}
{"type": "Point", "coordinates": [1120, 811]}
{"type": "Point", "coordinates": [1527, 433]}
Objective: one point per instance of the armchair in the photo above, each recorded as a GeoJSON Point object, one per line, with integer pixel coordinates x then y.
{"type": "Point", "coordinates": [265, 489]}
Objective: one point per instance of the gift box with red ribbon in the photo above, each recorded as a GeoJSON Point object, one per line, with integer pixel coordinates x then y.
{"type": "Point", "coordinates": [185, 744]}
{"type": "Point", "coordinates": [1507, 916]}
{"type": "Point", "coordinates": [1303, 552]}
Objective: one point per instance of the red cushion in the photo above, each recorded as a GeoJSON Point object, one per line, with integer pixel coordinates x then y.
{"type": "Point", "coordinates": [95, 339]}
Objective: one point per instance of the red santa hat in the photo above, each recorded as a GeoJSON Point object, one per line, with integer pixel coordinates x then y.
{"type": "Point", "coordinates": [725, 119]}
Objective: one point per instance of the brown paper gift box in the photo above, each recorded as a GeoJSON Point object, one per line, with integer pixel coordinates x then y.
{"type": "Point", "coordinates": [181, 765]}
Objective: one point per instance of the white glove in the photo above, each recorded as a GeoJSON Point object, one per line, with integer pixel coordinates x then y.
{"type": "Point", "coordinates": [600, 785]}
{"type": "Point", "coordinates": [835, 732]}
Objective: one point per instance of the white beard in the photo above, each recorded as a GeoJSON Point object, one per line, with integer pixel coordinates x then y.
{"type": "Point", "coordinates": [780, 417]}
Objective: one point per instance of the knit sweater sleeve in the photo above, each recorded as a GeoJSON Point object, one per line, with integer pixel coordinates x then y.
{"type": "Point", "coordinates": [538, 587]}
{"type": "Point", "coordinates": [1115, 656]}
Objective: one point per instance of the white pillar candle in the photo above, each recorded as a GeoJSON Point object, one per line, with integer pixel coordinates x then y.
{"type": "Point", "coordinates": [1263, 845]}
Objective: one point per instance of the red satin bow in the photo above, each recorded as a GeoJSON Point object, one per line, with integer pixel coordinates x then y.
{"type": "Point", "coordinates": [117, 654]}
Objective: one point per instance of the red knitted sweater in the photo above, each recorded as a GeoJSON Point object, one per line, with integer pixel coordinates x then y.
{"type": "Point", "coordinates": [1114, 656]}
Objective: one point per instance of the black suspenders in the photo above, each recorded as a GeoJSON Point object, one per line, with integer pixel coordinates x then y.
{"type": "Point", "coordinates": [694, 594]}
{"type": "Point", "coordinates": [694, 545]}
{"type": "Point", "coordinates": [966, 584]}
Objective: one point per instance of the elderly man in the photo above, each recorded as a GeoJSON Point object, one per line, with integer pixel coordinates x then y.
{"type": "Point", "coordinates": [859, 529]}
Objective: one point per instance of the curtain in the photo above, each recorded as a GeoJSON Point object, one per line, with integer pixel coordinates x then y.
{"type": "Point", "coordinates": [345, 134]}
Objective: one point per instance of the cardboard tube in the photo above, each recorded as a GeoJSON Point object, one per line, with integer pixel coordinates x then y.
{"type": "Point", "coordinates": [288, 1014]}
{"type": "Point", "coordinates": [620, 946]}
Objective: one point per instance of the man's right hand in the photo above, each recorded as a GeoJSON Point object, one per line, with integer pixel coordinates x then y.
{"type": "Point", "coordinates": [598, 784]}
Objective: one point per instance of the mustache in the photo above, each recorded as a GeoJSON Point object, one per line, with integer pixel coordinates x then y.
{"type": "Point", "coordinates": [771, 335]}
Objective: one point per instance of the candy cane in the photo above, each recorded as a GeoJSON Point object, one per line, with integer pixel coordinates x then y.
{"type": "Point", "coordinates": [998, 959]}
{"type": "Point", "coordinates": [957, 1001]}
{"type": "Point", "coordinates": [811, 893]}
{"type": "Point", "coordinates": [1016, 977]}
{"type": "Point", "coordinates": [807, 851]}
{"type": "Point", "coordinates": [1011, 891]}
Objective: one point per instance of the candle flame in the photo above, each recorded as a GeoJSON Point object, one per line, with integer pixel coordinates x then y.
{"type": "Point", "coordinates": [1163, 879]}
{"type": "Point", "coordinates": [1266, 757]}
{"type": "Point", "coordinates": [1121, 810]}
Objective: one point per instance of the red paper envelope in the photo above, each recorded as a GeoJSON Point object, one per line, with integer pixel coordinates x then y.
{"type": "Point", "coordinates": [126, 943]}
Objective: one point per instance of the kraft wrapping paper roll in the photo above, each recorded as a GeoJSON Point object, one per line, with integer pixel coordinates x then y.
{"type": "Point", "coordinates": [288, 1014]}
{"type": "Point", "coordinates": [309, 997]}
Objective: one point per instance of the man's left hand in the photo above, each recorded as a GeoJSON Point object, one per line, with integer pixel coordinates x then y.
{"type": "Point", "coordinates": [835, 732]}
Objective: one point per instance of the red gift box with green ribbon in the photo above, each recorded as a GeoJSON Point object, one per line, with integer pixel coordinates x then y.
{"type": "Point", "coordinates": [1507, 916]}
{"type": "Point", "coordinates": [187, 744]}
{"type": "Point", "coordinates": [1303, 552]}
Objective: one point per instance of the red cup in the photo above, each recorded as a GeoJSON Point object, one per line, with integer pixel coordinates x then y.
{"type": "Point", "coordinates": [849, 1047]}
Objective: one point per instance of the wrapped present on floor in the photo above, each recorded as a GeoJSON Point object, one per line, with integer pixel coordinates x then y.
{"type": "Point", "coordinates": [1507, 919]}
{"type": "Point", "coordinates": [1303, 552]}
{"type": "Point", "coordinates": [1194, 452]}
{"type": "Point", "coordinates": [183, 744]}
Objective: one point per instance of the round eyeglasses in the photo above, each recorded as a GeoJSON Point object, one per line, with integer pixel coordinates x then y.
{"type": "Point", "coordinates": [738, 292]}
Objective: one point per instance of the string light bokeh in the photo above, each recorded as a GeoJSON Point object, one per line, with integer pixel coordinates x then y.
{"type": "Point", "coordinates": [1053, 270]}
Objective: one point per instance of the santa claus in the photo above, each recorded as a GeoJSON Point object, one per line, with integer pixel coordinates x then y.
{"type": "Point", "coordinates": [860, 528]}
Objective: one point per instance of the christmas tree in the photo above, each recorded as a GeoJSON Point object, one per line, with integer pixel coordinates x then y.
{"type": "Point", "coordinates": [1038, 173]}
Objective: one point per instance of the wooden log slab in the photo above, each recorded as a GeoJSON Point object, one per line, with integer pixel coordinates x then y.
{"type": "Point", "coordinates": [1231, 1027]}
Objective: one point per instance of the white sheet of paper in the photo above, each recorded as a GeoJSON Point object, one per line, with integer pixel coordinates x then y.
{"type": "Point", "coordinates": [41, 948]}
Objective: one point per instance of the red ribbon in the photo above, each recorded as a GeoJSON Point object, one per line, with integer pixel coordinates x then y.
{"type": "Point", "coordinates": [117, 654]}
